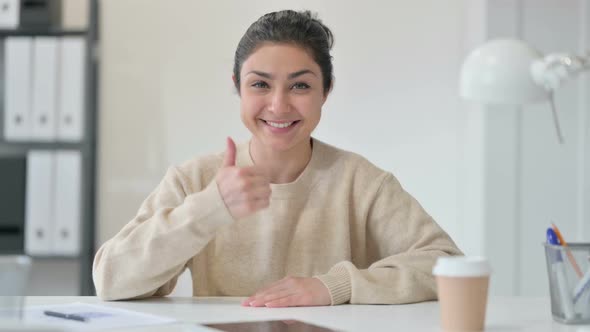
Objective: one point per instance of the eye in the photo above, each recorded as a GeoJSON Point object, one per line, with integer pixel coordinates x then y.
{"type": "Point", "coordinates": [300, 86]}
{"type": "Point", "coordinates": [259, 84]}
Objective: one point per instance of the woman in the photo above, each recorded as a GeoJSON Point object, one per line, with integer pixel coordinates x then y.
{"type": "Point", "coordinates": [284, 219]}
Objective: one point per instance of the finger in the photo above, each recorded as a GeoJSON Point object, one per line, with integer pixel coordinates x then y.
{"type": "Point", "coordinates": [256, 170]}
{"type": "Point", "coordinates": [252, 204]}
{"type": "Point", "coordinates": [250, 182]}
{"type": "Point", "coordinates": [287, 301]}
{"type": "Point", "coordinates": [272, 295]}
{"type": "Point", "coordinates": [264, 290]}
{"type": "Point", "coordinates": [258, 204]}
{"type": "Point", "coordinates": [262, 300]}
{"type": "Point", "coordinates": [259, 193]}
{"type": "Point", "coordinates": [261, 180]}
{"type": "Point", "coordinates": [230, 154]}
{"type": "Point", "coordinates": [247, 174]}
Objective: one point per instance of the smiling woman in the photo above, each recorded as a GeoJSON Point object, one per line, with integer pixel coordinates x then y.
{"type": "Point", "coordinates": [283, 219]}
{"type": "Point", "coordinates": [281, 103]}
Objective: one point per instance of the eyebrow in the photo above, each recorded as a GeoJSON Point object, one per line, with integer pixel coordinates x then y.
{"type": "Point", "coordinates": [290, 76]}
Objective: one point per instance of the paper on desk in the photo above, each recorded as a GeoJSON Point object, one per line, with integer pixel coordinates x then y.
{"type": "Point", "coordinates": [99, 317]}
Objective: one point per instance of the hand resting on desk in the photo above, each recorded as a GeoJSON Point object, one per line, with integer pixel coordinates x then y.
{"type": "Point", "coordinates": [291, 292]}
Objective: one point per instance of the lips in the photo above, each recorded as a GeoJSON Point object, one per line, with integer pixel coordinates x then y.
{"type": "Point", "coordinates": [281, 124]}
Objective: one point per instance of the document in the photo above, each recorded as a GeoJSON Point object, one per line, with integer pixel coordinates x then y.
{"type": "Point", "coordinates": [88, 317]}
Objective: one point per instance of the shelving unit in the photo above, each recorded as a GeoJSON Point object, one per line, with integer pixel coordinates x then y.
{"type": "Point", "coordinates": [71, 275]}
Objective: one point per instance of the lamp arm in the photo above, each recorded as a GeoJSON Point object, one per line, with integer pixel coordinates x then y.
{"type": "Point", "coordinates": [554, 69]}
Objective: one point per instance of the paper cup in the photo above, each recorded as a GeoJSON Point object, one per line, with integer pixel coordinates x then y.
{"type": "Point", "coordinates": [462, 284]}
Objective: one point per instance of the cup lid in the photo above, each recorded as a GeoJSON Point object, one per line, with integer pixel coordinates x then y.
{"type": "Point", "coordinates": [462, 266]}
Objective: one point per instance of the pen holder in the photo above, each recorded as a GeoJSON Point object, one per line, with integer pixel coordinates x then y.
{"type": "Point", "coordinates": [569, 282]}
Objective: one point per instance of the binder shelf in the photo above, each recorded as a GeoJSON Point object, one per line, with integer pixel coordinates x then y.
{"type": "Point", "coordinates": [48, 105]}
{"type": "Point", "coordinates": [39, 32]}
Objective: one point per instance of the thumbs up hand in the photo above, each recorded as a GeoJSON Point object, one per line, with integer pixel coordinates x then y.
{"type": "Point", "coordinates": [245, 190]}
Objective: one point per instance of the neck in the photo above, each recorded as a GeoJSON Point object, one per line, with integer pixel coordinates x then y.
{"type": "Point", "coordinates": [281, 166]}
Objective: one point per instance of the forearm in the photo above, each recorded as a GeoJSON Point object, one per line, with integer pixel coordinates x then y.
{"type": "Point", "coordinates": [403, 278]}
{"type": "Point", "coordinates": [146, 256]}
{"type": "Point", "coordinates": [404, 245]}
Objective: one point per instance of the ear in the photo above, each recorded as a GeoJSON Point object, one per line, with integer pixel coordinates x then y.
{"type": "Point", "coordinates": [236, 84]}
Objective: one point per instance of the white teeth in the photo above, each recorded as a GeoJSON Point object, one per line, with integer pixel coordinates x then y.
{"type": "Point", "coordinates": [280, 125]}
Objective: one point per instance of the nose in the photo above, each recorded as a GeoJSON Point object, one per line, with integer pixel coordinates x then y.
{"type": "Point", "coordinates": [279, 102]}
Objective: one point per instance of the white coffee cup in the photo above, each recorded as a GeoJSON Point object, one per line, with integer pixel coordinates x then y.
{"type": "Point", "coordinates": [462, 284]}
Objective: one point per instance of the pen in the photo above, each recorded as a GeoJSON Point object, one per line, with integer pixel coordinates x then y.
{"type": "Point", "coordinates": [65, 316]}
{"type": "Point", "coordinates": [570, 257]}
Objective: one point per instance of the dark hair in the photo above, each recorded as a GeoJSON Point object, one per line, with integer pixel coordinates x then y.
{"type": "Point", "coordinates": [303, 29]}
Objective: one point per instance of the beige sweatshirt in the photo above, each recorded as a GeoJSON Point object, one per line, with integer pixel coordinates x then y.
{"type": "Point", "coordinates": [343, 220]}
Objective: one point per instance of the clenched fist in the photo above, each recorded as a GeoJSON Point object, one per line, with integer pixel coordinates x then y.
{"type": "Point", "coordinates": [245, 190]}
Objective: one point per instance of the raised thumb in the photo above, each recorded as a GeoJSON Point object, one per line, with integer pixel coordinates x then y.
{"type": "Point", "coordinates": [230, 154]}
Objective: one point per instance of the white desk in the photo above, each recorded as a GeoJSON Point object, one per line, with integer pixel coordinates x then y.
{"type": "Point", "coordinates": [503, 314]}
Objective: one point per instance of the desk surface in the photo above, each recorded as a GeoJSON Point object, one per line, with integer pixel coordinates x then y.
{"type": "Point", "coordinates": [503, 314]}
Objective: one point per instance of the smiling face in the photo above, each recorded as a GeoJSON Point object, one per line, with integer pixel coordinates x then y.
{"type": "Point", "coordinates": [281, 96]}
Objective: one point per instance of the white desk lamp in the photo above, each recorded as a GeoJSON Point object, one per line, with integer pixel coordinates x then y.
{"type": "Point", "coordinates": [508, 71]}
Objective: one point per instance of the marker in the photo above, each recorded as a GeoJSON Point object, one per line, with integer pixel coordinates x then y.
{"type": "Point", "coordinates": [553, 240]}
{"type": "Point", "coordinates": [552, 237]}
{"type": "Point", "coordinates": [570, 257]}
{"type": "Point", "coordinates": [565, 297]}
{"type": "Point", "coordinates": [65, 316]}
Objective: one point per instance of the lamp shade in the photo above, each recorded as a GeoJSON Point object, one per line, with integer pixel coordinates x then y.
{"type": "Point", "coordinates": [500, 72]}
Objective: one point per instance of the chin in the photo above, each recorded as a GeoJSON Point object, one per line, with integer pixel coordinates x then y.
{"type": "Point", "coordinates": [282, 145]}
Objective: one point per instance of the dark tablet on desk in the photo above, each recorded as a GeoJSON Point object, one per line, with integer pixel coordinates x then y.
{"type": "Point", "coordinates": [269, 326]}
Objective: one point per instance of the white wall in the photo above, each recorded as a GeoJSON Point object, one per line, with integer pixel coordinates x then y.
{"type": "Point", "coordinates": [531, 180]}
{"type": "Point", "coordinates": [553, 178]}
{"type": "Point", "coordinates": [167, 95]}
{"type": "Point", "coordinates": [166, 92]}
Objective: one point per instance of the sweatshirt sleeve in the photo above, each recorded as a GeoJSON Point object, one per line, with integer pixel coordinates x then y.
{"type": "Point", "coordinates": [146, 257]}
{"type": "Point", "coordinates": [405, 242]}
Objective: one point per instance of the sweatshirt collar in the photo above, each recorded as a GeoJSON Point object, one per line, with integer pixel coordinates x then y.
{"type": "Point", "coordinates": [301, 186]}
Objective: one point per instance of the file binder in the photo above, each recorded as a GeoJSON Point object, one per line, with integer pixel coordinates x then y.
{"type": "Point", "coordinates": [39, 203]}
{"type": "Point", "coordinates": [45, 57]}
{"type": "Point", "coordinates": [9, 14]}
{"type": "Point", "coordinates": [68, 180]}
{"type": "Point", "coordinates": [71, 89]}
{"type": "Point", "coordinates": [17, 87]}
